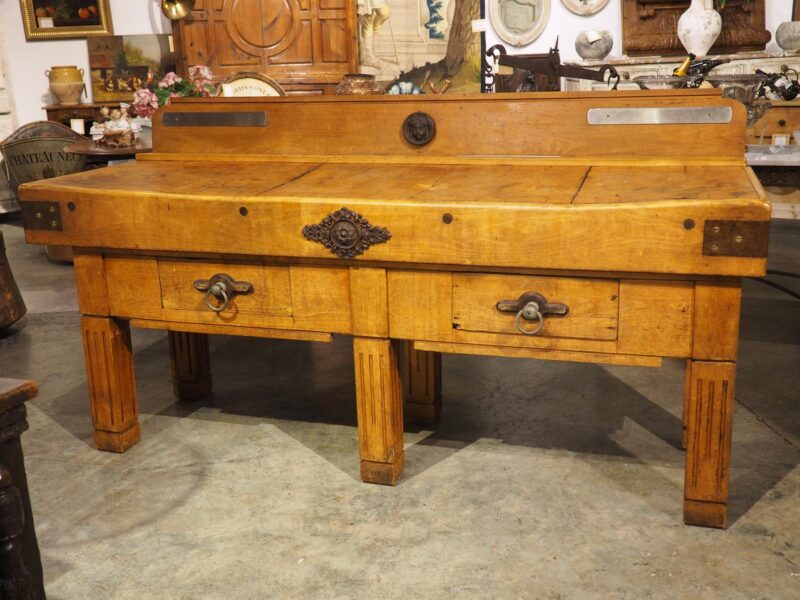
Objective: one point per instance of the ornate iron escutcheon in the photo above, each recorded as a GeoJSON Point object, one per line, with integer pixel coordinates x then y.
{"type": "Point", "coordinates": [419, 128]}
{"type": "Point", "coordinates": [346, 233]}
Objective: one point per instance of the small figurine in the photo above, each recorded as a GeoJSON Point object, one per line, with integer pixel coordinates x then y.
{"type": "Point", "coordinates": [118, 132]}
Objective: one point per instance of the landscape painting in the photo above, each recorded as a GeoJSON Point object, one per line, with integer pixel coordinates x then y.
{"type": "Point", "coordinates": [121, 64]}
{"type": "Point", "coordinates": [429, 43]}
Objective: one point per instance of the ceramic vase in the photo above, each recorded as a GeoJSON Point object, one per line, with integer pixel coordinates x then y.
{"type": "Point", "coordinates": [358, 84]}
{"type": "Point", "coordinates": [699, 27]}
{"type": "Point", "coordinates": [593, 45]}
{"type": "Point", "coordinates": [788, 36]}
{"type": "Point", "coordinates": [66, 84]}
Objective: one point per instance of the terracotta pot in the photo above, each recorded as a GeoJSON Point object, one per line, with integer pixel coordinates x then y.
{"type": "Point", "coordinates": [66, 84]}
{"type": "Point", "coordinates": [358, 84]}
{"type": "Point", "coordinates": [699, 27]}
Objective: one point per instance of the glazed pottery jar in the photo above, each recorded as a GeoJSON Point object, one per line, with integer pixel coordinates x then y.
{"type": "Point", "coordinates": [66, 84]}
{"type": "Point", "coordinates": [358, 84]}
{"type": "Point", "coordinates": [699, 27]}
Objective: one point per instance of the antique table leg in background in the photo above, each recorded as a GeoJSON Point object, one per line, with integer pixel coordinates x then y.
{"type": "Point", "coordinates": [709, 403]}
{"type": "Point", "coordinates": [379, 404]}
{"type": "Point", "coordinates": [20, 562]}
{"type": "Point", "coordinates": [191, 367]}
{"type": "Point", "coordinates": [423, 384]}
{"type": "Point", "coordinates": [112, 386]}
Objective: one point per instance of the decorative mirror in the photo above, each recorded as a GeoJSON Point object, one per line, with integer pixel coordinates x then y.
{"type": "Point", "coordinates": [585, 7]}
{"type": "Point", "coordinates": [519, 22]}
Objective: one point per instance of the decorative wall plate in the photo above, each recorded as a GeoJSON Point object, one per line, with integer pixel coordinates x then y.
{"type": "Point", "coordinates": [519, 22]}
{"type": "Point", "coordinates": [585, 7]}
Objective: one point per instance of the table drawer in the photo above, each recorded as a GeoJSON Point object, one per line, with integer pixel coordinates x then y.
{"type": "Point", "coordinates": [271, 289]}
{"type": "Point", "coordinates": [282, 297]}
{"type": "Point", "coordinates": [592, 305]}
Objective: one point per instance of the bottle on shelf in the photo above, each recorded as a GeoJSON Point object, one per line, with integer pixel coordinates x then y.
{"type": "Point", "coordinates": [683, 69]}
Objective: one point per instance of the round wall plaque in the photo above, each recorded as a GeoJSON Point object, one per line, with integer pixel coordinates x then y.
{"type": "Point", "coordinates": [519, 22]}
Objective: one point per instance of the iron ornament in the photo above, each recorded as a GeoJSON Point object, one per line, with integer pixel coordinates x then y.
{"type": "Point", "coordinates": [346, 234]}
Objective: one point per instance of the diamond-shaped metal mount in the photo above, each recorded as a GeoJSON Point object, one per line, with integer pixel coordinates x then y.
{"type": "Point", "coordinates": [346, 233]}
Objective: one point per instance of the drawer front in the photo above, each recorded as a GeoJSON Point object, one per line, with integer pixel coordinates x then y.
{"type": "Point", "coordinates": [593, 305]}
{"type": "Point", "coordinates": [271, 293]}
{"type": "Point", "coordinates": [300, 298]}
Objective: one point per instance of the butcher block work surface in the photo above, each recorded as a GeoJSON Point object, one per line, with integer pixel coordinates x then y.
{"type": "Point", "coordinates": [593, 227]}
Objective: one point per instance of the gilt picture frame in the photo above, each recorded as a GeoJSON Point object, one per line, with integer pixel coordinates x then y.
{"type": "Point", "coordinates": [64, 19]}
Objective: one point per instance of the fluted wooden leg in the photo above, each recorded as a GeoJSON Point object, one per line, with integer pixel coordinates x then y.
{"type": "Point", "coordinates": [709, 420]}
{"type": "Point", "coordinates": [380, 410]}
{"type": "Point", "coordinates": [112, 387]}
{"type": "Point", "coordinates": [191, 367]}
{"type": "Point", "coordinates": [423, 384]}
{"type": "Point", "coordinates": [687, 385]}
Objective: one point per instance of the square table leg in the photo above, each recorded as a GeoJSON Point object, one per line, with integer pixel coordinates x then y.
{"type": "Point", "coordinates": [379, 404]}
{"type": "Point", "coordinates": [423, 384]}
{"type": "Point", "coordinates": [112, 386]}
{"type": "Point", "coordinates": [708, 443]}
{"type": "Point", "coordinates": [191, 366]}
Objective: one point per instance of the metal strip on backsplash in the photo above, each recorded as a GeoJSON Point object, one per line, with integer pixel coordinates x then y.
{"type": "Point", "coordinates": [701, 115]}
{"type": "Point", "coordinates": [216, 119]}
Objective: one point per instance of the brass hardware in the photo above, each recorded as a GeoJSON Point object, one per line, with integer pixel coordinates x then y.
{"type": "Point", "coordinates": [175, 10]}
{"type": "Point", "coordinates": [531, 307]}
{"type": "Point", "coordinates": [736, 238]}
{"type": "Point", "coordinates": [41, 215]}
{"type": "Point", "coordinates": [222, 287]}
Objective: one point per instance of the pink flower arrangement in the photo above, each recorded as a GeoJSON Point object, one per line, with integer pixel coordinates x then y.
{"type": "Point", "coordinates": [145, 103]}
{"type": "Point", "coordinates": [169, 80]}
{"type": "Point", "coordinates": [147, 100]}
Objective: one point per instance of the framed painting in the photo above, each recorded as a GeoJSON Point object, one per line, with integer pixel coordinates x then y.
{"type": "Point", "coordinates": [428, 43]}
{"type": "Point", "coordinates": [59, 19]}
{"type": "Point", "coordinates": [121, 64]}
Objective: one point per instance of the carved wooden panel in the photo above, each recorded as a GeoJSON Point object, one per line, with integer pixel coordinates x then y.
{"type": "Point", "coordinates": [651, 26]}
{"type": "Point", "coordinates": [306, 45]}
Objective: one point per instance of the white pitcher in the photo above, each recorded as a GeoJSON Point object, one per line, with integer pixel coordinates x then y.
{"type": "Point", "coordinates": [699, 27]}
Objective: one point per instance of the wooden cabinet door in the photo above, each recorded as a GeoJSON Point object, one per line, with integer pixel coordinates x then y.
{"type": "Point", "coordinates": [293, 41]}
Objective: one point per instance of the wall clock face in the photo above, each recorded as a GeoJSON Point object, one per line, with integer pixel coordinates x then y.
{"type": "Point", "coordinates": [585, 7]}
{"type": "Point", "coordinates": [251, 84]}
{"type": "Point", "coordinates": [519, 22]}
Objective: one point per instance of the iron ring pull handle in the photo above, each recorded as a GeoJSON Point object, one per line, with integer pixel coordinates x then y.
{"type": "Point", "coordinates": [531, 307]}
{"type": "Point", "coordinates": [223, 288]}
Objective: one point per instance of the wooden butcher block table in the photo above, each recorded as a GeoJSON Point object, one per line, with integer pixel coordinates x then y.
{"type": "Point", "coordinates": [599, 227]}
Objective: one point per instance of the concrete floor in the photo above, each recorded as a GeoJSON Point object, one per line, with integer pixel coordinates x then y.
{"type": "Point", "coordinates": [542, 479]}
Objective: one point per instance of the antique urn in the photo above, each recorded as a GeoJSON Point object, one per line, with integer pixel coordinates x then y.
{"type": "Point", "coordinates": [66, 84]}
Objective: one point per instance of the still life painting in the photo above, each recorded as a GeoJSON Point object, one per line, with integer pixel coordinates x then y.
{"type": "Point", "coordinates": [121, 64]}
{"type": "Point", "coordinates": [57, 19]}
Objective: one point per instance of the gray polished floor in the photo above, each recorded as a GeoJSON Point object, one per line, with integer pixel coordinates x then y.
{"type": "Point", "coordinates": [542, 479]}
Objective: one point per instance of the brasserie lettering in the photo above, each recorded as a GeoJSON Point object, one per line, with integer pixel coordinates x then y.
{"type": "Point", "coordinates": [34, 158]}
